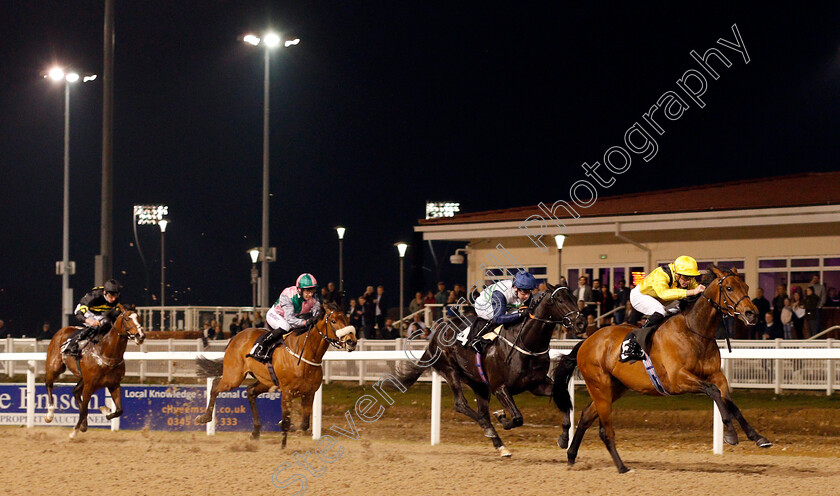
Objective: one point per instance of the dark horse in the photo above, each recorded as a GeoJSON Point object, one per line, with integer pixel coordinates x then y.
{"type": "Point", "coordinates": [684, 354]}
{"type": "Point", "coordinates": [297, 365]}
{"type": "Point", "coordinates": [101, 365]}
{"type": "Point", "coordinates": [517, 361]}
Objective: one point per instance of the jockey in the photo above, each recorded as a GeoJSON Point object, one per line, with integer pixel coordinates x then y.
{"type": "Point", "coordinates": [296, 308]}
{"type": "Point", "coordinates": [657, 297]}
{"type": "Point", "coordinates": [97, 310]}
{"type": "Point", "coordinates": [494, 302]}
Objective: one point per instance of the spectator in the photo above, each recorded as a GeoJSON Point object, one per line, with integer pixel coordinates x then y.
{"type": "Point", "coordinates": [763, 307]}
{"type": "Point", "coordinates": [368, 316]}
{"type": "Point", "coordinates": [217, 327]}
{"type": "Point", "coordinates": [4, 332]}
{"type": "Point", "coordinates": [607, 301]}
{"type": "Point", "coordinates": [832, 299]}
{"type": "Point", "coordinates": [598, 295]}
{"type": "Point", "coordinates": [417, 303]}
{"type": "Point", "coordinates": [245, 322]}
{"type": "Point", "coordinates": [388, 331]}
{"type": "Point", "coordinates": [460, 292]}
{"type": "Point", "coordinates": [632, 316]}
{"type": "Point", "coordinates": [354, 313]}
{"type": "Point", "coordinates": [381, 309]}
{"type": "Point", "coordinates": [430, 298]}
{"type": "Point", "coordinates": [452, 311]}
{"type": "Point", "coordinates": [441, 297]}
{"type": "Point", "coordinates": [779, 302]}
{"type": "Point", "coordinates": [335, 294]}
{"type": "Point", "coordinates": [591, 324]}
{"type": "Point", "coordinates": [418, 326]}
{"type": "Point", "coordinates": [207, 333]}
{"type": "Point", "coordinates": [562, 282]}
{"type": "Point", "coordinates": [772, 328]}
{"type": "Point", "coordinates": [812, 312]}
{"type": "Point", "coordinates": [234, 326]}
{"type": "Point", "coordinates": [326, 296]}
{"type": "Point", "coordinates": [259, 321]}
{"type": "Point", "coordinates": [583, 292]}
{"type": "Point", "coordinates": [798, 308]}
{"type": "Point", "coordinates": [820, 293]}
{"type": "Point", "coordinates": [786, 318]}
{"type": "Point", "coordinates": [622, 296]}
{"type": "Point", "coordinates": [46, 332]}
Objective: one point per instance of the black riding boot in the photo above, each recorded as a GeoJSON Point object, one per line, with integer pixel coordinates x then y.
{"type": "Point", "coordinates": [73, 345]}
{"type": "Point", "coordinates": [475, 341]}
{"type": "Point", "coordinates": [630, 349]}
{"type": "Point", "coordinates": [264, 344]}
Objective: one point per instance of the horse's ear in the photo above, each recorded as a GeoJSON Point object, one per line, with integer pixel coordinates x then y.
{"type": "Point", "coordinates": [549, 286]}
{"type": "Point", "coordinates": [734, 270]}
{"type": "Point", "coordinates": [716, 271]}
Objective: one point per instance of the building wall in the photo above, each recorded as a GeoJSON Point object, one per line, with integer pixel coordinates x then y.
{"type": "Point", "coordinates": [748, 244]}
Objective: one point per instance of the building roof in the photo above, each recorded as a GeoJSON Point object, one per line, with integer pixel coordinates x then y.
{"type": "Point", "coordinates": [807, 189]}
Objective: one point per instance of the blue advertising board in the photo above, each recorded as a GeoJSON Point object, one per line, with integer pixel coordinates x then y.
{"type": "Point", "coordinates": [174, 408]}
{"type": "Point", "coordinates": [163, 408]}
{"type": "Point", "coordinates": [13, 406]}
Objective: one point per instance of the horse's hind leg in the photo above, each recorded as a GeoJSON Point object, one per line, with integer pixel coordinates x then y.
{"type": "Point", "coordinates": [506, 399]}
{"type": "Point", "coordinates": [306, 410]}
{"type": "Point", "coordinates": [482, 416]}
{"type": "Point", "coordinates": [719, 380]}
{"type": "Point", "coordinates": [483, 409]}
{"type": "Point", "coordinates": [545, 389]}
{"type": "Point", "coordinates": [587, 417]}
{"type": "Point", "coordinates": [116, 397]}
{"type": "Point", "coordinates": [232, 377]}
{"type": "Point", "coordinates": [285, 424]}
{"type": "Point", "coordinates": [83, 402]}
{"type": "Point", "coordinates": [602, 398]}
{"type": "Point", "coordinates": [51, 375]}
{"type": "Point", "coordinates": [255, 390]}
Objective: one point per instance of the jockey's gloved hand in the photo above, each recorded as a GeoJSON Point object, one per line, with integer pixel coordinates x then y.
{"type": "Point", "coordinates": [523, 310]}
{"type": "Point", "coordinates": [311, 321]}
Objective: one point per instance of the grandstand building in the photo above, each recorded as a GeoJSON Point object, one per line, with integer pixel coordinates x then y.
{"type": "Point", "coordinates": [778, 230]}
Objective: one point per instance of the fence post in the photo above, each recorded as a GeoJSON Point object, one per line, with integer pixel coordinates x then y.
{"type": "Point", "coordinates": [169, 363]}
{"type": "Point", "coordinates": [777, 367]}
{"type": "Point", "coordinates": [435, 408]}
{"type": "Point", "coordinates": [109, 402]}
{"type": "Point", "coordinates": [327, 371]}
{"type": "Point", "coordinates": [362, 364]}
{"type": "Point", "coordinates": [317, 412]}
{"type": "Point", "coordinates": [717, 424]}
{"type": "Point", "coordinates": [829, 371]}
{"type": "Point", "coordinates": [10, 348]}
{"type": "Point", "coordinates": [30, 394]}
{"type": "Point", "coordinates": [143, 365]}
{"type": "Point", "coordinates": [572, 411]}
{"type": "Point", "coordinates": [211, 426]}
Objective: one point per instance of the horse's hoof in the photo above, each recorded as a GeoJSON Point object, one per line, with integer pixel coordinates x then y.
{"type": "Point", "coordinates": [48, 417]}
{"type": "Point", "coordinates": [201, 419]}
{"type": "Point", "coordinates": [73, 434]}
{"type": "Point", "coordinates": [731, 439]}
{"type": "Point", "coordinates": [563, 441]}
{"type": "Point", "coordinates": [623, 470]}
{"type": "Point", "coordinates": [105, 410]}
{"type": "Point", "coordinates": [571, 460]}
{"type": "Point", "coordinates": [255, 436]}
{"type": "Point", "coordinates": [504, 452]}
{"type": "Point", "coordinates": [83, 428]}
{"type": "Point", "coordinates": [763, 442]}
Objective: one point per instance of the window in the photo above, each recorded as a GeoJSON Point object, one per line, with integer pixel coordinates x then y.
{"type": "Point", "coordinates": [795, 274]}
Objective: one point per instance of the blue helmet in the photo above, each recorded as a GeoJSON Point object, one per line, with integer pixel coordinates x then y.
{"type": "Point", "coordinates": [524, 280]}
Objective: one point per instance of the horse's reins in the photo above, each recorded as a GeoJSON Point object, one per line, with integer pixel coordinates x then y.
{"type": "Point", "coordinates": [106, 362]}
{"type": "Point", "coordinates": [565, 321]}
{"type": "Point", "coordinates": [332, 341]}
{"type": "Point", "coordinates": [730, 310]}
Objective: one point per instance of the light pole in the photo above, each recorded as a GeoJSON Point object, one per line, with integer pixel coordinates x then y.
{"type": "Point", "coordinates": [254, 253]}
{"type": "Point", "coordinates": [66, 268]}
{"type": "Point", "coordinates": [162, 224]}
{"type": "Point", "coordinates": [560, 239]}
{"type": "Point", "coordinates": [401, 247]}
{"type": "Point", "coordinates": [270, 40]}
{"type": "Point", "coordinates": [340, 230]}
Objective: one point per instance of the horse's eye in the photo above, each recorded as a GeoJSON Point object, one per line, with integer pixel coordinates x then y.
{"type": "Point", "coordinates": [332, 321]}
{"type": "Point", "coordinates": [729, 288]}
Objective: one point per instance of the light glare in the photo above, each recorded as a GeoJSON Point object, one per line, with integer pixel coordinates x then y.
{"type": "Point", "coordinates": [72, 77]}
{"type": "Point", "coordinates": [251, 39]}
{"type": "Point", "coordinates": [292, 42]}
{"type": "Point", "coordinates": [271, 40]}
{"type": "Point", "coordinates": [56, 74]}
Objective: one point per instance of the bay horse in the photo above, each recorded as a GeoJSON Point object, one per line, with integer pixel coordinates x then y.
{"type": "Point", "coordinates": [297, 364]}
{"type": "Point", "coordinates": [515, 362]}
{"type": "Point", "coordinates": [101, 365]}
{"type": "Point", "coordinates": [684, 354]}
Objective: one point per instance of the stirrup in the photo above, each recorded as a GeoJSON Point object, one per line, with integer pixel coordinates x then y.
{"type": "Point", "coordinates": [630, 350]}
{"type": "Point", "coordinates": [478, 345]}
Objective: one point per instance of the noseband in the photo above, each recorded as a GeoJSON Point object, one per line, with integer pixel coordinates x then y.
{"type": "Point", "coordinates": [338, 343]}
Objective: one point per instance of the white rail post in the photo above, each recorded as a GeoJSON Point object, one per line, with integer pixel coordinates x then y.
{"type": "Point", "coordinates": [109, 402]}
{"type": "Point", "coordinates": [362, 364]}
{"type": "Point", "coordinates": [777, 367]}
{"type": "Point", "coordinates": [30, 394]}
{"type": "Point", "coordinates": [435, 408]}
{"type": "Point", "coordinates": [211, 426]}
{"type": "Point", "coordinates": [169, 363]}
{"type": "Point", "coordinates": [572, 411]}
{"type": "Point", "coordinates": [10, 365]}
{"type": "Point", "coordinates": [143, 365]}
{"type": "Point", "coordinates": [717, 427]}
{"type": "Point", "coordinates": [829, 371]}
{"type": "Point", "coordinates": [317, 412]}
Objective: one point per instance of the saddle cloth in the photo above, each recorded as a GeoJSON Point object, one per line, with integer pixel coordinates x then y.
{"type": "Point", "coordinates": [490, 335]}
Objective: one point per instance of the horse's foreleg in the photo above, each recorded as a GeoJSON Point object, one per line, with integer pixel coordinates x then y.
{"type": "Point", "coordinates": [686, 382]}
{"type": "Point", "coordinates": [545, 389]}
{"type": "Point", "coordinates": [255, 390]}
{"type": "Point", "coordinates": [506, 399]}
{"type": "Point", "coordinates": [51, 375]}
{"type": "Point", "coordinates": [306, 410]}
{"type": "Point", "coordinates": [719, 380]}
{"type": "Point", "coordinates": [482, 416]}
{"type": "Point", "coordinates": [483, 410]}
{"type": "Point", "coordinates": [116, 397]}
{"type": "Point", "coordinates": [83, 402]}
{"type": "Point", "coordinates": [587, 417]}
{"type": "Point", "coordinates": [286, 423]}
{"type": "Point", "coordinates": [603, 397]}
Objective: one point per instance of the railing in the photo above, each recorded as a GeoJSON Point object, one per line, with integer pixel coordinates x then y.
{"type": "Point", "coordinates": [31, 358]}
{"type": "Point", "coordinates": [765, 373]}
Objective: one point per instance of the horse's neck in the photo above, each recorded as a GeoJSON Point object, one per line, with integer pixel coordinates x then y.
{"type": "Point", "coordinates": [703, 318]}
{"type": "Point", "coordinates": [112, 344]}
{"type": "Point", "coordinates": [536, 335]}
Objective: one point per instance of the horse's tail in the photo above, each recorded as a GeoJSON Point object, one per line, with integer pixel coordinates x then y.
{"type": "Point", "coordinates": [562, 374]}
{"type": "Point", "coordinates": [407, 371]}
{"type": "Point", "coordinates": [208, 368]}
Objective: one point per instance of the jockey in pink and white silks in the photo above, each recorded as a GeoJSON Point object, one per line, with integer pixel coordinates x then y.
{"type": "Point", "coordinates": [296, 308]}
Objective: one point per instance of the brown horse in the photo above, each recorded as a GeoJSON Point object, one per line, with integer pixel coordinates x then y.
{"type": "Point", "coordinates": [684, 354]}
{"type": "Point", "coordinates": [297, 365]}
{"type": "Point", "coordinates": [101, 365]}
{"type": "Point", "coordinates": [516, 362]}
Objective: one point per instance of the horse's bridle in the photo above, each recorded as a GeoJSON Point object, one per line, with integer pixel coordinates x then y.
{"type": "Point", "coordinates": [566, 321]}
{"type": "Point", "coordinates": [338, 343]}
{"type": "Point", "coordinates": [135, 324]}
{"type": "Point", "coordinates": [731, 309]}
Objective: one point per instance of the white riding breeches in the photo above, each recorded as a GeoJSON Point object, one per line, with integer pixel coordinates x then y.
{"type": "Point", "coordinates": [648, 305]}
{"type": "Point", "coordinates": [276, 321]}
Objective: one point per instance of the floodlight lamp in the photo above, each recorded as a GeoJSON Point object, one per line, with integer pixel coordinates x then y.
{"type": "Point", "coordinates": [71, 77]}
{"type": "Point", "coordinates": [402, 247]}
{"type": "Point", "coordinates": [162, 224]}
{"type": "Point", "coordinates": [251, 39]}
{"type": "Point", "coordinates": [340, 230]}
{"type": "Point", "coordinates": [292, 42]}
{"type": "Point", "coordinates": [255, 254]}
{"type": "Point", "coordinates": [271, 40]}
{"type": "Point", "coordinates": [559, 239]}
{"type": "Point", "coordinates": [56, 74]}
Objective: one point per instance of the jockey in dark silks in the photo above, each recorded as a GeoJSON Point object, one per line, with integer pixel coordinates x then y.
{"type": "Point", "coordinates": [296, 309]}
{"type": "Point", "coordinates": [495, 301]}
{"type": "Point", "coordinates": [97, 310]}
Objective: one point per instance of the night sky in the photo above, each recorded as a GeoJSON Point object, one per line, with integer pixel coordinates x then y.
{"type": "Point", "coordinates": [382, 106]}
